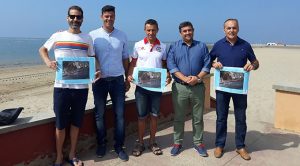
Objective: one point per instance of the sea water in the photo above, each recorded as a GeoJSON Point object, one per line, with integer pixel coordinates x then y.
{"type": "Point", "coordinates": [25, 51]}
{"type": "Point", "coordinates": [20, 51]}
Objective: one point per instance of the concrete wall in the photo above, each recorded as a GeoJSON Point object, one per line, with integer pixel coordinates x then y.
{"type": "Point", "coordinates": [287, 107]}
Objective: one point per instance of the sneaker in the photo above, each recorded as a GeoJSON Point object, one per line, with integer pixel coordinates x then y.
{"type": "Point", "coordinates": [176, 149]}
{"type": "Point", "coordinates": [122, 155]}
{"type": "Point", "coordinates": [101, 150]}
{"type": "Point", "coordinates": [201, 150]}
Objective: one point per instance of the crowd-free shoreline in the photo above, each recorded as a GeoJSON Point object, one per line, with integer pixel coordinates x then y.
{"type": "Point", "coordinates": [31, 86]}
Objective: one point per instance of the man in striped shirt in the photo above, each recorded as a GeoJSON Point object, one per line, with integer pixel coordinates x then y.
{"type": "Point", "coordinates": [69, 99]}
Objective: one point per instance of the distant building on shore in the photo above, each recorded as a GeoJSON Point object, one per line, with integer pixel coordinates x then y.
{"type": "Point", "coordinates": [276, 44]}
{"type": "Point", "coordinates": [272, 44]}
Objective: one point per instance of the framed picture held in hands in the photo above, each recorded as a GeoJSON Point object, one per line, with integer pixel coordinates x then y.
{"type": "Point", "coordinates": [75, 70]}
{"type": "Point", "coordinates": [231, 79]}
{"type": "Point", "coordinates": [153, 79]}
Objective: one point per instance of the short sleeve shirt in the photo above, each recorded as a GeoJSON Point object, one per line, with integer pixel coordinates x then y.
{"type": "Point", "coordinates": [147, 55]}
{"type": "Point", "coordinates": [232, 55]}
{"type": "Point", "coordinates": [110, 49]}
{"type": "Point", "coordinates": [66, 44]}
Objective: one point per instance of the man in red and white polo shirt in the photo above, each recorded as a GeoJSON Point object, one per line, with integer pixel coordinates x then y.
{"type": "Point", "coordinates": [148, 53]}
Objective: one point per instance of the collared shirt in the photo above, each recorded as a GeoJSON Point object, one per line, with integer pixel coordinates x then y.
{"type": "Point", "coordinates": [232, 55]}
{"type": "Point", "coordinates": [148, 55]}
{"type": "Point", "coordinates": [189, 60]}
{"type": "Point", "coordinates": [66, 44]}
{"type": "Point", "coordinates": [110, 49]}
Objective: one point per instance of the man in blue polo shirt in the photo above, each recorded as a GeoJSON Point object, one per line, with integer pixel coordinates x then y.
{"type": "Point", "coordinates": [232, 51]}
{"type": "Point", "coordinates": [188, 61]}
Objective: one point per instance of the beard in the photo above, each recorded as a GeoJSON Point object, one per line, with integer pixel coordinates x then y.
{"type": "Point", "coordinates": [75, 24]}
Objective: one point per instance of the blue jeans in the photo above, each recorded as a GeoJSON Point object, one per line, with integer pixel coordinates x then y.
{"type": "Point", "coordinates": [147, 102]}
{"type": "Point", "coordinates": [240, 106]}
{"type": "Point", "coordinates": [116, 88]}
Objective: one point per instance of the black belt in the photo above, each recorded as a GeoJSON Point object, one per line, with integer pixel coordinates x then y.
{"type": "Point", "coordinates": [183, 83]}
{"type": "Point", "coordinates": [186, 84]}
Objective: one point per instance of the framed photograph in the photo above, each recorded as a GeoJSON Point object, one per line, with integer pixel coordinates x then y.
{"type": "Point", "coordinates": [231, 79]}
{"type": "Point", "coordinates": [75, 70]}
{"type": "Point", "coordinates": [153, 79]}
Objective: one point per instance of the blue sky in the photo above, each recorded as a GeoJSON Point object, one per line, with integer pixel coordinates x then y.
{"type": "Point", "coordinates": [261, 21]}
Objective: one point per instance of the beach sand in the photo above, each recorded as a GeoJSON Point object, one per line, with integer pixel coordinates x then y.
{"type": "Point", "coordinates": [31, 87]}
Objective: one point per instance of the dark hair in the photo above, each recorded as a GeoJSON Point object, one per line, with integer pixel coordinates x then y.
{"type": "Point", "coordinates": [151, 22]}
{"type": "Point", "coordinates": [108, 8]}
{"type": "Point", "coordinates": [231, 19]}
{"type": "Point", "coordinates": [185, 24]}
{"type": "Point", "coordinates": [75, 8]}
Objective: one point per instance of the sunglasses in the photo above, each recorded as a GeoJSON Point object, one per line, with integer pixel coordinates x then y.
{"type": "Point", "coordinates": [79, 17]}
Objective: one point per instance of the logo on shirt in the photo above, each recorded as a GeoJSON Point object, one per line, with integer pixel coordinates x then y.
{"type": "Point", "coordinates": [142, 48]}
{"type": "Point", "coordinates": [158, 49]}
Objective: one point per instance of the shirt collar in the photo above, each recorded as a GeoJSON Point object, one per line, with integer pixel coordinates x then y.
{"type": "Point", "coordinates": [183, 43]}
{"type": "Point", "coordinates": [106, 31]}
{"type": "Point", "coordinates": [237, 41]}
{"type": "Point", "coordinates": [156, 42]}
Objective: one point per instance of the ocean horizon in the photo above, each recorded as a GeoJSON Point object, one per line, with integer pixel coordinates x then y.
{"type": "Point", "coordinates": [21, 51]}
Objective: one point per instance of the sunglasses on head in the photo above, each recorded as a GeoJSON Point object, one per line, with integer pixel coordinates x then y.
{"type": "Point", "coordinates": [79, 17]}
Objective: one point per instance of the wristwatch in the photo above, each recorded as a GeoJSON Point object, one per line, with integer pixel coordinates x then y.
{"type": "Point", "coordinates": [199, 79]}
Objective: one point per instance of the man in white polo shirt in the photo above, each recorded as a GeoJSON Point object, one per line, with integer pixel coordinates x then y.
{"type": "Point", "coordinates": [149, 53]}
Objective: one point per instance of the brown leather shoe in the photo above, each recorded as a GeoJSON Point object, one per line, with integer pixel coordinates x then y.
{"type": "Point", "coordinates": [218, 152]}
{"type": "Point", "coordinates": [243, 153]}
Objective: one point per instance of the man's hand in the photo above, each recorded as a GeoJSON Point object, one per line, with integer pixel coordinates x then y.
{"type": "Point", "coordinates": [193, 80]}
{"type": "Point", "coordinates": [168, 80]}
{"type": "Point", "coordinates": [130, 78]}
{"type": "Point", "coordinates": [52, 64]}
{"type": "Point", "coordinates": [127, 85]}
{"type": "Point", "coordinates": [217, 65]}
{"type": "Point", "coordinates": [186, 79]}
{"type": "Point", "coordinates": [253, 66]}
{"type": "Point", "coordinates": [249, 67]}
{"type": "Point", "coordinates": [97, 76]}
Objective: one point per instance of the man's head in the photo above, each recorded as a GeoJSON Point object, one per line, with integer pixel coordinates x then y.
{"type": "Point", "coordinates": [231, 29]}
{"type": "Point", "coordinates": [151, 29]}
{"type": "Point", "coordinates": [75, 17]}
{"type": "Point", "coordinates": [186, 30]}
{"type": "Point", "coordinates": [108, 17]}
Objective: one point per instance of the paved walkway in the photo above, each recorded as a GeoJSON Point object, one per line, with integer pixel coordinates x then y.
{"type": "Point", "coordinates": [267, 146]}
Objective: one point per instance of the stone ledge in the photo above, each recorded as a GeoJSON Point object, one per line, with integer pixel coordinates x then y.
{"type": "Point", "coordinates": [287, 87]}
